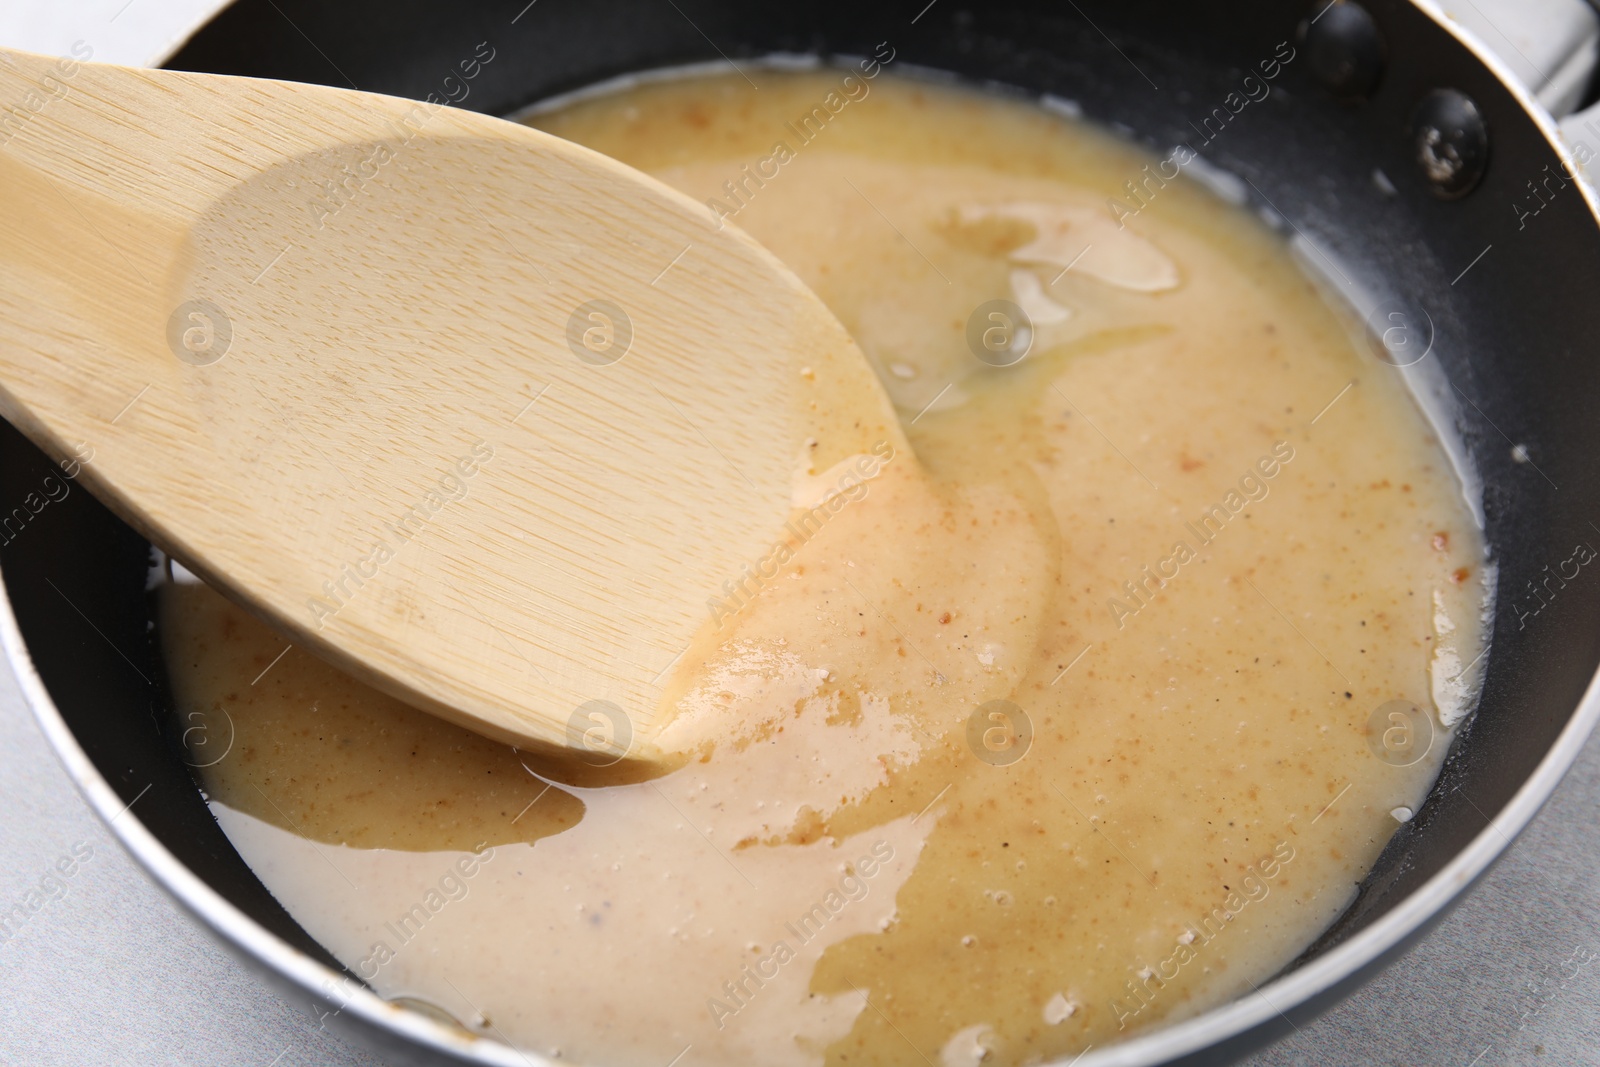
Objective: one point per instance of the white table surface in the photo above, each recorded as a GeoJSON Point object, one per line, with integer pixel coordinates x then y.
{"type": "Point", "coordinates": [109, 972]}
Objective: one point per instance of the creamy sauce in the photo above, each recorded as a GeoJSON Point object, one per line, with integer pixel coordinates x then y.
{"type": "Point", "coordinates": [1072, 723]}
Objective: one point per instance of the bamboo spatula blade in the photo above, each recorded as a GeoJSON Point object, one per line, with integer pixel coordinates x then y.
{"type": "Point", "coordinates": [481, 416]}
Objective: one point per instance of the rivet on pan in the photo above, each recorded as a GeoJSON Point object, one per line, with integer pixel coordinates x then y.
{"type": "Point", "coordinates": [1450, 143]}
{"type": "Point", "coordinates": [1345, 50]}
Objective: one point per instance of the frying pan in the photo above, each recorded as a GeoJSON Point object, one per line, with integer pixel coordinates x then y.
{"type": "Point", "coordinates": [1387, 187]}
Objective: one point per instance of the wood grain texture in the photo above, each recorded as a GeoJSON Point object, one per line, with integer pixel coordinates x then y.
{"type": "Point", "coordinates": [329, 350]}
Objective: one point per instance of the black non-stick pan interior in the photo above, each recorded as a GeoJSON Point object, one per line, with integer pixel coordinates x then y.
{"type": "Point", "coordinates": [1513, 333]}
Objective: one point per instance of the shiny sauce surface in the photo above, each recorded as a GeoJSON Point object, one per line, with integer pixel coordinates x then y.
{"type": "Point", "coordinates": [1084, 718]}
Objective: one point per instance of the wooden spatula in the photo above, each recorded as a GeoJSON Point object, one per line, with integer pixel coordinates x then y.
{"type": "Point", "coordinates": [481, 416]}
